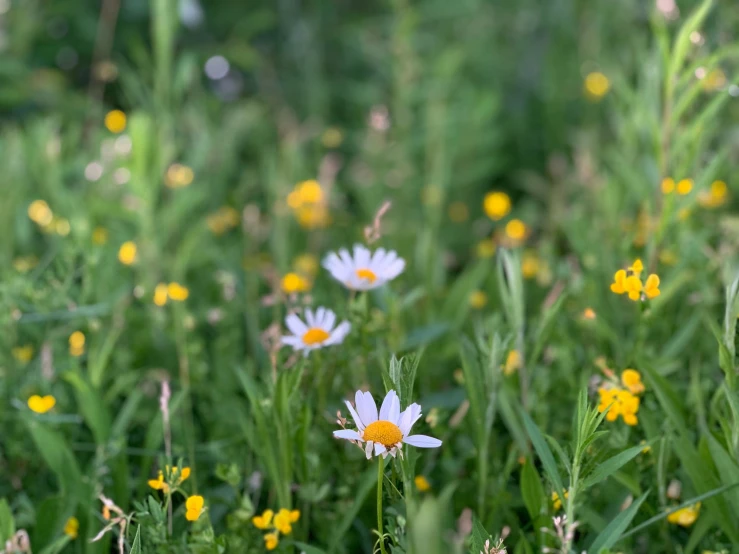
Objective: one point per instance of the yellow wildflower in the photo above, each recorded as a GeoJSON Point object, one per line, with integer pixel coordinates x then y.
{"type": "Point", "coordinates": [72, 527]}
{"type": "Point", "coordinates": [40, 213]}
{"type": "Point", "coordinates": [715, 197]}
{"type": "Point", "coordinates": [668, 185]}
{"type": "Point", "coordinates": [177, 292]}
{"type": "Point", "coordinates": [630, 284]}
{"type": "Point", "coordinates": [497, 205]}
{"type": "Point", "coordinates": [160, 294]}
{"type": "Point", "coordinates": [516, 230]}
{"type": "Point", "coordinates": [313, 216]}
{"type": "Point", "coordinates": [194, 507]}
{"type": "Point", "coordinates": [127, 253]}
{"type": "Point", "coordinates": [77, 343]}
{"type": "Point", "coordinates": [284, 519]}
{"type": "Point", "coordinates": [458, 212]}
{"type": "Point", "coordinates": [178, 176]}
{"type": "Point", "coordinates": [264, 521]}
{"type": "Point", "coordinates": [596, 85]}
{"type": "Point", "coordinates": [637, 267]}
{"type": "Point", "coordinates": [305, 192]}
{"type": "Point", "coordinates": [306, 264]}
{"type": "Point", "coordinates": [176, 476]}
{"type": "Point", "coordinates": [684, 187]}
{"type": "Point", "coordinates": [622, 403]}
{"type": "Point", "coordinates": [422, 483]}
{"type": "Point", "coordinates": [685, 517]}
{"type": "Point", "coordinates": [556, 501]}
{"type": "Point", "coordinates": [100, 235]}
{"type": "Point", "coordinates": [292, 283]}
{"type": "Point", "coordinates": [61, 226]}
{"type": "Point", "coordinates": [271, 541]}
{"type": "Point", "coordinates": [588, 313]}
{"type": "Point", "coordinates": [512, 363]}
{"type": "Point", "coordinates": [41, 404]}
{"type": "Point", "coordinates": [651, 287]}
{"type": "Point", "coordinates": [222, 220]}
{"type": "Point", "coordinates": [478, 299]}
{"type": "Point", "coordinates": [115, 121]}
{"type": "Point", "coordinates": [485, 248]}
{"type": "Point", "coordinates": [23, 354]}
{"type": "Point", "coordinates": [631, 379]}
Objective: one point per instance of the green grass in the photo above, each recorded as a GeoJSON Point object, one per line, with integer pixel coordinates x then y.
{"type": "Point", "coordinates": [427, 106]}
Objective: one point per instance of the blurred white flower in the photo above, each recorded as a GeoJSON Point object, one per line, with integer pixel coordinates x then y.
{"type": "Point", "coordinates": [364, 270]}
{"type": "Point", "coordinates": [318, 332]}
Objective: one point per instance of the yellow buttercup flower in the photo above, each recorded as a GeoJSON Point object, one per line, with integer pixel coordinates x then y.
{"type": "Point", "coordinates": [497, 205]}
{"type": "Point", "coordinates": [127, 253]}
{"type": "Point", "coordinates": [160, 294]}
{"type": "Point", "coordinates": [596, 85]}
{"type": "Point", "coordinates": [305, 192]}
{"type": "Point", "coordinates": [422, 483]}
{"type": "Point", "coordinates": [668, 185]}
{"type": "Point", "coordinates": [631, 379]}
{"type": "Point", "coordinates": [685, 517]}
{"type": "Point", "coordinates": [41, 404]}
{"type": "Point", "coordinates": [115, 121]}
{"type": "Point", "coordinates": [478, 299]}
{"type": "Point", "coordinates": [72, 527]}
{"type": "Point", "coordinates": [23, 354]}
{"type": "Point", "coordinates": [512, 363]}
{"type": "Point", "coordinates": [194, 507]}
{"type": "Point", "coordinates": [516, 230]}
{"type": "Point", "coordinates": [271, 541]}
{"type": "Point", "coordinates": [264, 521]}
{"type": "Point", "coordinates": [684, 187]}
{"type": "Point", "coordinates": [313, 216]}
{"type": "Point", "coordinates": [292, 283]}
{"type": "Point", "coordinates": [556, 501]}
{"type": "Point", "coordinates": [40, 213]}
{"type": "Point", "coordinates": [177, 292]}
{"type": "Point", "coordinates": [77, 343]}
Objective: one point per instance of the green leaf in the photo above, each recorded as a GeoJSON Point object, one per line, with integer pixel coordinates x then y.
{"type": "Point", "coordinates": [7, 523]}
{"type": "Point", "coordinates": [614, 531]}
{"type": "Point", "coordinates": [58, 457]}
{"type": "Point", "coordinates": [682, 42]}
{"type": "Point", "coordinates": [532, 489]}
{"type": "Point", "coordinates": [403, 375]}
{"type": "Point", "coordinates": [136, 548]}
{"type": "Point", "coordinates": [479, 535]}
{"type": "Point", "coordinates": [544, 453]}
{"type": "Point", "coordinates": [92, 406]}
{"type": "Point", "coordinates": [727, 469]}
{"type": "Point", "coordinates": [611, 465]}
{"type": "Point", "coordinates": [668, 398]}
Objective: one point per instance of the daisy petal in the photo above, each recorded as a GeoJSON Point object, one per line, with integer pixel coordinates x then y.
{"type": "Point", "coordinates": [422, 441]}
{"type": "Point", "coordinates": [338, 334]}
{"type": "Point", "coordinates": [355, 416]}
{"type": "Point", "coordinates": [310, 319]}
{"type": "Point", "coordinates": [347, 434]}
{"type": "Point", "coordinates": [409, 417]}
{"type": "Point", "coordinates": [329, 320]}
{"type": "Point", "coordinates": [385, 408]}
{"type": "Point", "coordinates": [366, 407]}
{"type": "Point", "coordinates": [296, 326]}
{"type": "Point", "coordinates": [379, 449]}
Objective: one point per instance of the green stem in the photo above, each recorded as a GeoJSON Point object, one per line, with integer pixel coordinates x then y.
{"type": "Point", "coordinates": [380, 477]}
{"type": "Point", "coordinates": [571, 499]}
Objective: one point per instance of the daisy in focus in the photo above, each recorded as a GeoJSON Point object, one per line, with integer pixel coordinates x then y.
{"type": "Point", "coordinates": [386, 432]}
{"type": "Point", "coordinates": [318, 330]}
{"type": "Point", "coordinates": [364, 270]}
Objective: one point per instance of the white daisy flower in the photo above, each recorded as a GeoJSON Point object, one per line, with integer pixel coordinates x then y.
{"type": "Point", "coordinates": [387, 433]}
{"type": "Point", "coordinates": [319, 331]}
{"type": "Point", "coordinates": [364, 270]}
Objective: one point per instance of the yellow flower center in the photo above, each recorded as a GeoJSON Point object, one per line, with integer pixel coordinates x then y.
{"type": "Point", "coordinates": [315, 336]}
{"type": "Point", "coordinates": [367, 274]}
{"type": "Point", "coordinates": [386, 433]}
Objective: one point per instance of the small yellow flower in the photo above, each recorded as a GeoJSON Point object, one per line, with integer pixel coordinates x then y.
{"type": "Point", "coordinates": [271, 541]}
{"type": "Point", "coordinates": [631, 379]}
{"type": "Point", "coordinates": [222, 220]}
{"type": "Point", "coordinates": [77, 343]}
{"type": "Point", "coordinates": [651, 287]}
{"type": "Point", "coordinates": [588, 313]}
{"type": "Point", "coordinates": [623, 283]}
{"type": "Point", "coordinates": [715, 197]}
{"type": "Point", "coordinates": [161, 294]}
{"type": "Point", "coordinates": [306, 264]}
{"type": "Point", "coordinates": [530, 264]}
{"type": "Point", "coordinates": [516, 230]}
{"type": "Point", "coordinates": [264, 521]}
{"type": "Point", "coordinates": [422, 483]}
{"type": "Point", "coordinates": [622, 403]}
{"type": "Point", "coordinates": [127, 253]}
{"type": "Point", "coordinates": [685, 517]}
{"type": "Point", "coordinates": [178, 176]}
{"type": "Point", "coordinates": [596, 85]}
{"type": "Point", "coordinates": [177, 292]}
{"type": "Point", "coordinates": [556, 502]}
{"type": "Point", "coordinates": [194, 507]}
{"type": "Point", "coordinates": [458, 212]}
{"type": "Point", "coordinates": [305, 192]}
{"type": "Point", "coordinates": [100, 235]}
{"type": "Point", "coordinates": [40, 213]}
{"type": "Point", "coordinates": [62, 227]}
{"type": "Point", "coordinates": [115, 121]}
{"type": "Point", "coordinates": [292, 283]}
{"type": "Point", "coordinates": [668, 185]}
{"type": "Point", "coordinates": [497, 205]}
{"type": "Point", "coordinates": [637, 267]}
{"type": "Point", "coordinates": [72, 527]}
{"type": "Point", "coordinates": [332, 137]}
{"type": "Point", "coordinates": [23, 354]}
{"type": "Point", "coordinates": [177, 477]}
{"type": "Point", "coordinates": [313, 216]}
{"type": "Point", "coordinates": [478, 299]}
{"type": "Point", "coordinates": [41, 404]}
{"type": "Point", "coordinates": [284, 519]}
{"type": "Point", "coordinates": [512, 363]}
{"type": "Point", "coordinates": [485, 248]}
{"type": "Point", "coordinates": [684, 187]}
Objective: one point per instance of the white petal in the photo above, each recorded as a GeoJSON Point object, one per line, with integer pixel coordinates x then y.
{"type": "Point", "coordinates": [422, 441]}
{"type": "Point", "coordinates": [378, 259]}
{"type": "Point", "coordinates": [310, 319]}
{"type": "Point", "coordinates": [338, 334]}
{"type": "Point", "coordinates": [292, 341]}
{"type": "Point", "coordinates": [355, 416]}
{"type": "Point", "coordinates": [347, 260]}
{"type": "Point", "coordinates": [390, 409]}
{"type": "Point", "coordinates": [329, 319]}
{"type": "Point", "coordinates": [347, 434]}
{"type": "Point", "coordinates": [361, 256]}
{"type": "Point", "coordinates": [379, 449]}
{"type": "Point", "coordinates": [394, 269]}
{"type": "Point", "coordinates": [409, 416]}
{"type": "Point", "coordinates": [296, 326]}
{"type": "Point", "coordinates": [320, 315]}
{"type": "Point", "coordinates": [368, 449]}
{"type": "Point", "coordinates": [366, 407]}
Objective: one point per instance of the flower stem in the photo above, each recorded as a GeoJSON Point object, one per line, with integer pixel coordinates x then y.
{"type": "Point", "coordinates": [380, 477]}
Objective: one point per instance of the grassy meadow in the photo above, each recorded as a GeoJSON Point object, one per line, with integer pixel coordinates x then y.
{"type": "Point", "coordinates": [354, 278]}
